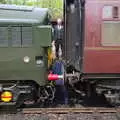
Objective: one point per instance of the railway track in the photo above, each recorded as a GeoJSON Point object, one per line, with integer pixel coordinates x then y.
{"type": "Point", "coordinates": [87, 113]}
{"type": "Point", "coordinates": [82, 113]}
{"type": "Point", "coordinates": [70, 110]}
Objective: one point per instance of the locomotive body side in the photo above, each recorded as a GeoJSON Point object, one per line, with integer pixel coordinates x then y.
{"type": "Point", "coordinates": [24, 38]}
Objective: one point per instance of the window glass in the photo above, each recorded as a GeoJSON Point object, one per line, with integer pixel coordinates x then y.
{"type": "Point", "coordinates": [111, 33]}
{"type": "Point", "coordinates": [110, 12]}
{"type": "Point", "coordinates": [107, 12]}
{"type": "Point", "coordinates": [115, 12]}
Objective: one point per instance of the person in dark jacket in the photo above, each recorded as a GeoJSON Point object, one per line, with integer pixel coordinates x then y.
{"type": "Point", "coordinates": [58, 36]}
{"type": "Point", "coordinates": [61, 95]}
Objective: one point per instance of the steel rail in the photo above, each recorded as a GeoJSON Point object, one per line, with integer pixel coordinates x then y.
{"type": "Point", "coordinates": [70, 110]}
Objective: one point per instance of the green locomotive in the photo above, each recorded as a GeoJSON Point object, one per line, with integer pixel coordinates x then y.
{"type": "Point", "coordinates": [25, 36]}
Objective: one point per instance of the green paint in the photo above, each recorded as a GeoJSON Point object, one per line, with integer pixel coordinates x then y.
{"type": "Point", "coordinates": [12, 65]}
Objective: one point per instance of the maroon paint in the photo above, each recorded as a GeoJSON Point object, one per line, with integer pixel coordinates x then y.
{"type": "Point", "coordinates": [98, 61]}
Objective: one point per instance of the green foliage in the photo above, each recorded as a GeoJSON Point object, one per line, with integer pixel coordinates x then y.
{"type": "Point", "coordinates": [3, 1]}
{"type": "Point", "coordinates": [55, 6]}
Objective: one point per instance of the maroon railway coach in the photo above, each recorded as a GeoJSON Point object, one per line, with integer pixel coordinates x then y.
{"type": "Point", "coordinates": [102, 37]}
{"type": "Point", "coordinates": [93, 44]}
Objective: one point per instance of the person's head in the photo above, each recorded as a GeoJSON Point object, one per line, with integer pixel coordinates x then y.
{"type": "Point", "coordinates": [59, 21]}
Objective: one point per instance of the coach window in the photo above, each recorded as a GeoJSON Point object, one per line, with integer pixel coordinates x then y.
{"type": "Point", "coordinates": [107, 12]}
{"type": "Point", "coordinates": [115, 11]}
{"type": "Point", "coordinates": [110, 26]}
